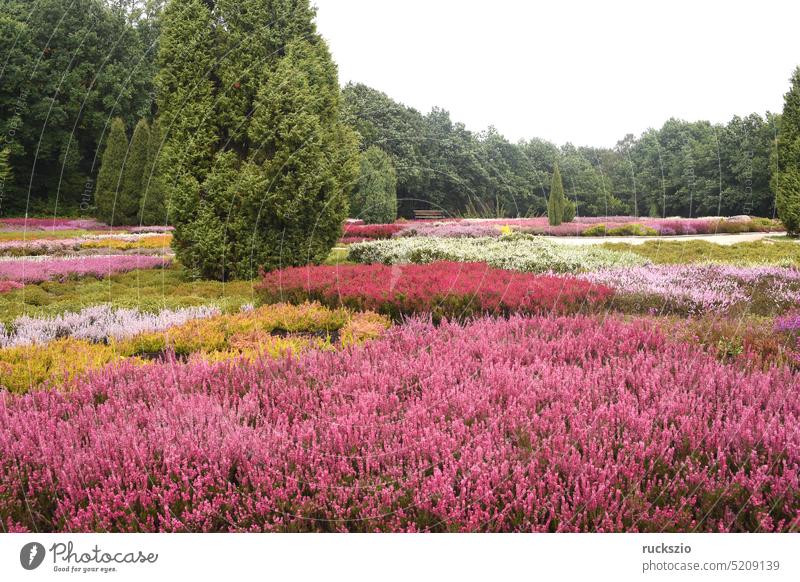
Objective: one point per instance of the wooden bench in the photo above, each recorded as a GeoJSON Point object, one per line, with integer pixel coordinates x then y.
{"type": "Point", "coordinates": [428, 215]}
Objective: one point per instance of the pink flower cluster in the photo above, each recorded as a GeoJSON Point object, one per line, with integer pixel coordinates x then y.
{"type": "Point", "coordinates": [37, 269]}
{"type": "Point", "coordinates": [40, 246]}
{"type": "Point", "coordinates": [701, 288]}
{"type": "Point", "coordinates": [6, 286]}
{"type": "Point", "coordinates": [527, 424]}
{"type": "Point", "coordinates": [50, 224]}
{"type": "Point", "coordinates": [364, 232]}
{"type": "Point", "coordinates": [445, 289]}
{"type": "Point", "coordinates": [540, 225]}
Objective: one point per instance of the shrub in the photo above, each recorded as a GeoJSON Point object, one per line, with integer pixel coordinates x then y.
{"type": "Point", "coordinates": [109, 178]}
{"type": "Point", "coordinates": [371, 231]}
{"type": "Point", "coordinates": [633, 230]}
{"type": "Point", "coordinates": [786, 177]}
{"type": "Point", "coordinates": [556, 200]}
{"type": "Point", "coordinates": [129, 201]}
{"type": "Point", "coordinates": [569, 210]}
{"type": "Point", "coordinates": [598, 425]}
{"type": "Point", "coordinates": [24, 368]}
{"type": "Point", "coordinates": [595, 230]}
{"type": "Point", "coordinates": [517, 252]}
{"type": "Point", "coordinates": [257, 162]}
{"type": "Point", "coordinates": [375, 199]}
{"type": "Point", "coordinates": [445, 290]}
{"type": "Point", "coordinates": [153, 208]}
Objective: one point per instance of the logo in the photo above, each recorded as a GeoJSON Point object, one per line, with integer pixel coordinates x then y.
{"type": "Point", "coordinates": [31, 555]}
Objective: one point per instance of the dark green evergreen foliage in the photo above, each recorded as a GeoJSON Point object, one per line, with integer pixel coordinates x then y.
{"type": "Point", "coordinates": [786, 180]}
{"type": "Point", "coordinates": [110, 178]}
{"type": "Point", "coordinates": [6, 173]}
{"type": "Point", "coordinates": [154, 208]}
{"type": "Point", "coordinates": [68, 66]}
{"type": "Point", "coordinates": [132, 188]}
{"type": "Point", "coordinates": [256, 162]}
{"type": "Point", "coordinates": [375, 199]}
{"type": "Point", "coordinates": [569, 211]}
{"type": "Point", "coordinates": [682, 168]}
{"type": "Point", "coordinates": [556, 200]}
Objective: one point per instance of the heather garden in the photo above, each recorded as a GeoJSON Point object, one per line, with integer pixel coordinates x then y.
{"type": "Point", "coordinates": [247, 331]}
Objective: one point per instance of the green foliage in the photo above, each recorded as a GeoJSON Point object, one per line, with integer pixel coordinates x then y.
{"type": "Point", "coordinates": [786, 181]}
{"type": "Point", "coordinates": [256, 162]}
{"type": "Point", "coordinates": [153, 209]}
{"type": "Point", "coordinates": [595, 230]}
{"type": "Point", "coordinates": [375, 199]}
{"type": "Point", "coordinates": [6, 175]}
{"type": "Point", "coordinates": [569, 211]}
{"type": "Point", "coordinates": [696, 251]}
{"type": "Point", "coordinates": [67, 66]}
{"type": "Point", "coordinates": [556, 200]}
{"type": "Point", "coordinates": [130, 195]}
{"type": "Point", "coordinates": [109, 179]}
{"type": "Point", "coordinates": [632, 230]}
{"type": "Point", "coordinates": [149, 290]}
{"type": "Point", "coordinates": [683, 168]}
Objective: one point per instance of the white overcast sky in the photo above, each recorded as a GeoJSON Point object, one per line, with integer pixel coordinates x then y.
{"type": "Point", "coordinates": [569, 70]}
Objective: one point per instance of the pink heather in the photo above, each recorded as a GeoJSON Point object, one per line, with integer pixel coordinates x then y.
{"type": "Point", "coordinates": [527, 424]}
{"type": "Point", "coordinates": [37, 269]}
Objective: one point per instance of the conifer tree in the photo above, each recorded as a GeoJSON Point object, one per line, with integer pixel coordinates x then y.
{"type": "Point", "coordinates": [556, 200]}
{"type": "Point", "coordinates": [786, 177]}
{"type": "Point", "coordinates": [375, 199]}
{"type": "Point", "coordinates": [154, 209]}
{"type": "Point", "coordinates": [5, 171]}
{"type": "Point", "coordinates": [130, 196]}
{"type": "Point", "coordinates": [256, 163]}
{"type": "Point", "coordinates": [109, 178]}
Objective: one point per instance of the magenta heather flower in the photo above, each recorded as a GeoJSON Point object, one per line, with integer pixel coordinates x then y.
{"type": "Point", "coordinates": [527, 424]}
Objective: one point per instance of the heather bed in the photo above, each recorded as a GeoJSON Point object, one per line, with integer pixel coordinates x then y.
{"type": "Point", "coordinates": [42, 268]}
{"type": "Point", "coordinates": [702, 288]}
{"type": "Point", "coordinates": [527, 424]}
{"type": "Point", "coordinates": [51, 353]}
{"type": "Point", "coordinates": [516, 252]}
{"type": "Point", "coordinates": [441, 289]}
{"type": "Point", "coordinates": [583, 226]}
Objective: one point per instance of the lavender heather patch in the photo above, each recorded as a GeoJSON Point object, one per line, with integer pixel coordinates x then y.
{"type": "Point", "coordinates": [98, 323]}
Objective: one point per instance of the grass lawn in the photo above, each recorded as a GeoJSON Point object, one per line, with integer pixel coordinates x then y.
{"type": "Point", "coordinates": [148, 290]}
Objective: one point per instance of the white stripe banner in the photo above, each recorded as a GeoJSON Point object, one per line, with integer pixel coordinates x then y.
{"type": "Point", "coordinates": [354, 557]}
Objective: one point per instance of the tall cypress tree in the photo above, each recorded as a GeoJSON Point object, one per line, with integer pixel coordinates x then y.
{"type": "Point", "coordinates": [257, 163]}
{"type": "Point", "coordinates": [556, 200]}
{"type": "Point", "coordinates": [786, 178]}
{"type": "Point", "coordinates": [109, 178]}
{"type": "Point", "coordinates": [5, 173]}
{"type": "Point", "coordinates": [375, 199]}
{"type": "Point", "coordinates": [154, 209]}
{"type": "Point", "coordinates": [130, 196]}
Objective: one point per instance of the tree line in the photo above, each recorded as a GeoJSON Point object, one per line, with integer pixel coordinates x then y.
{"type": "Point", "coordinates": [683, 168]}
